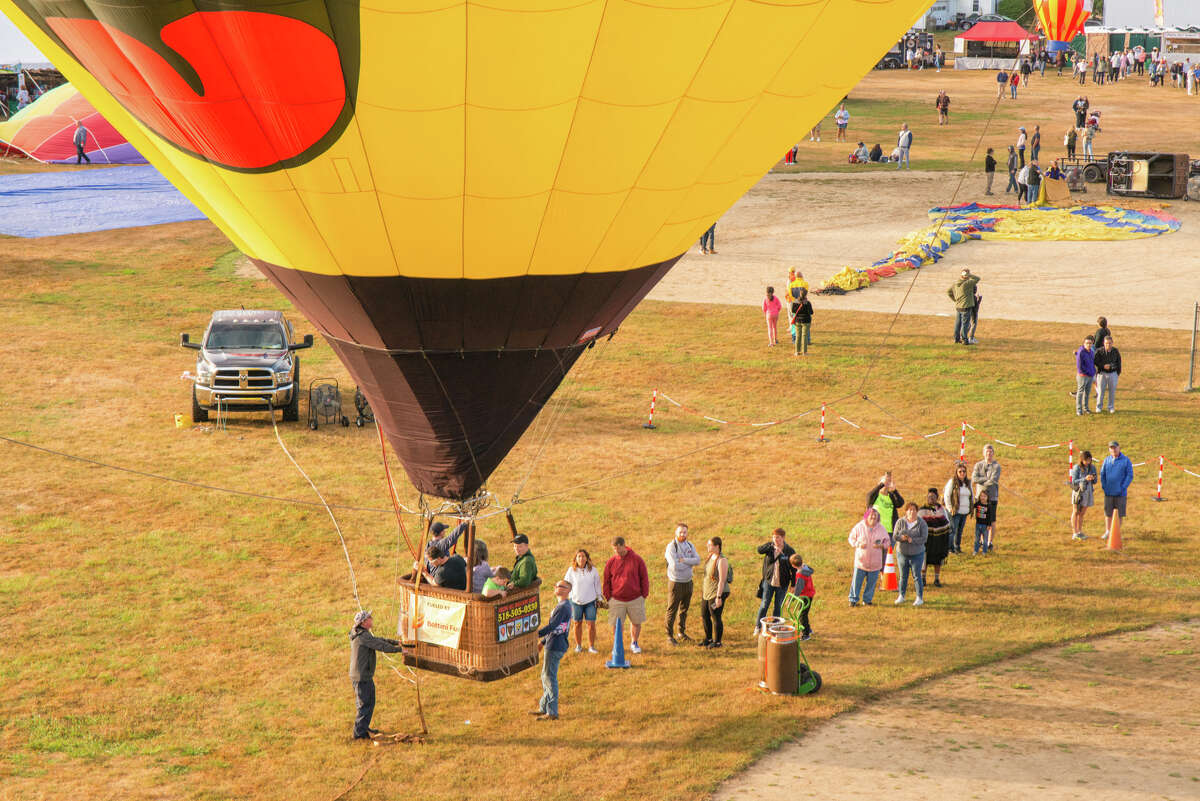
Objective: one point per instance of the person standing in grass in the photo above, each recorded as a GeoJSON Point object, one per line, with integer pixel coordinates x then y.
{"type": "Point", "coordinates": [957, 498]}
{"type": "Point", "coordinates": [937, 547]}
{"type": "Point", "coordinates": [870, 543]}
{"type": "Point", "coordinates": [943, 106]}
{"type": "Point", "coordinates": [803, 588]}
{"type": "Point", "coordinates": [1001, 83]}
{"type": "Point", "coordinates": [1013, 81]}
{"type": "Point", "coordinates": [1085, 374]}
{"type": "Point", "coordinates": [1013, 186]}
{"type": "Point", "coordinates": [886, 500]}
{"type": "Point", "coordinates": [627, 586]}
{"type": "Point", "coordinates": [1108, 369]}
{"type": "Point", "coordinates": [1035, 143]}
{"type": "Point", "coordinates": [904, 144]}
{"type": "Point", "coordinates": [586, 590]}
{"type": "Point", "coordinates": [1071, 140]}
{"type": "Point", "coordinates": [681, 559]}
{"type": "Point", "coordinates": [842, 118]}
{"type": "Point", "coordinates": [1083, 487]}
{"type": "Point", "coordinates": [1116, 474]}
{"type": "Point", "coordinates": [989, 170]}
{"type": "Point", "coordinates": [802, 313]}
{"type": "Point", "coordinates": [776, 575]}
{"type": "Point", "coordinates": [713, 594]}
{"type": "Point", "coordinates": [986, 478]}
{"type": "Point", "coordinates": [908, 540]}
{"type": "Point", "coordinates": [363, 646]}
{"type": "Point", "coordinates": [553, 638]}
{"type": "Point", "coordinates": [1022, 141]}
{"type": "Point", "coordinates": [771, 308]}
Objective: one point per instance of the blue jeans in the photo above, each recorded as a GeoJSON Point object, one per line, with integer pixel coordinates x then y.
{"type": "Point", "coordinates": [856, 585]}
{"type": "Point", "coordinates": [962, 322]}
{"type": "Point", "coordinates": [1013, 90]}
{"type": "Point", "coordinates": [770, 593]}
{"type": "Point", "coordinates": [910, 564]}
{"type": "Point", "coordinates": [957, 524]}
{"type": "Point", "coordinates": [1012, 183]}
{"type": "Point", "coordinates": [709, 238]}
{"type": "Point", "coordinates": [364, 698]}
{"type": "Point", "coordinates": [1034, 151]}
{"type": "Point", "coordinates": [1106, 385]}
{"type": "Point", "coordinates": [903, 160]}
{"type": "Point", "coordinates": [549, 702]}
{"type": "Point", "coordinates": [980, 538]}
{"type": "Point", "coordinates": [1033, 193]}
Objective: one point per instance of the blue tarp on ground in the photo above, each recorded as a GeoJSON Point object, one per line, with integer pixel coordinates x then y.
{"type": "Point", "coordinates": [76, 202]}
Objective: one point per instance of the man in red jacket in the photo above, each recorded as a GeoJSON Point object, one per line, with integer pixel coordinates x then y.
{"type": "Point", "coordinates": [626, 586]}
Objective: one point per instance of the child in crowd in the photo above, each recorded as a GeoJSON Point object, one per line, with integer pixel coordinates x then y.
{"type": "Point", "coordinates": [803, 588]}
{"type": "Point", "coordinates": [498, 584]}
{"type": "Point", "coordinates": [981, 523]}
{"type": "Point", "coordinates": [771, 308]}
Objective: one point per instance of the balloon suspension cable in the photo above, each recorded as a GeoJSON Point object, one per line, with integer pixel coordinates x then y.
{"type": "Point", "coordinates": [336, 526]}
{"type": "Point", "coordinates": [387, 472]}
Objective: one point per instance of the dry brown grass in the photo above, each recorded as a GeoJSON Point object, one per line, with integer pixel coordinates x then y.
{"type": "Point", "coordinates": [165, 642]}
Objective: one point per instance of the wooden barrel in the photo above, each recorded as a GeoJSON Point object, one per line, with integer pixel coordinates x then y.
{"type": "Point", "coordinates": [494, 638]}
{"type": "Point", "coordinates": [783, 660]}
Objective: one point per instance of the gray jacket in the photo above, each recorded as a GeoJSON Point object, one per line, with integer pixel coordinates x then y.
{"type": "Point", "coordinates": [681, 558]}
{"type": "Point", "coordinates": [918, 531]}
{"type": "Point", "coordinates": [987, 476]}
{"type": "Point", "coordinates": [363, 646]}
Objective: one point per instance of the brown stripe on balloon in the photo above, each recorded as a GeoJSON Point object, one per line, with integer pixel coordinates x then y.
{"type": "Point", "coordinates": [457, 369]}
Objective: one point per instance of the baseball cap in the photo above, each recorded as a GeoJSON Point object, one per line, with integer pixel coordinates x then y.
{"type": "Point", "coordinates": [438, 528]}
{"type": "Point", "coordinates": [1114, 444]}
{"type": "Point", "coordinates": [520, 539]}
{"type": "Point", "coordinates": [360, 616]}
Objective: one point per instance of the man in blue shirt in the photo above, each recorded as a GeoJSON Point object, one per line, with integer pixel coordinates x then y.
{"type": "Point", "coordinates": [1116, 474]}
{"type": "Point", "coordinates": [1085, 374]}
{"type": "Point", "coordinates": [554, 639]}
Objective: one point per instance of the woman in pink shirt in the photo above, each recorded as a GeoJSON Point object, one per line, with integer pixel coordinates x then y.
{"type": "Point", "coordinates": [771, 307]}
{"type": "Point", "coordinates": [870, 542]}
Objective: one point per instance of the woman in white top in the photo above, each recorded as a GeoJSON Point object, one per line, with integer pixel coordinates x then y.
{"type": "Point", "coordinates": [956, 497]}
{"type": "Point", "coordinates": [586, 589]}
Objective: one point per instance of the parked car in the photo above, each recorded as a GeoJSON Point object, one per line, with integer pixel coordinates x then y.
{"type": "Point", "coordinates": [247, 361]}
{"type": "Point", "coordinates": [971, 19]}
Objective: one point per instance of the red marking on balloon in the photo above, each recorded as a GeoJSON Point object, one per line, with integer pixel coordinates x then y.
{"type": "Point", "coordinates": [272, 85]}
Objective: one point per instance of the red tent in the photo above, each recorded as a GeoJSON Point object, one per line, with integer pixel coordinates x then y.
{"type": "Point", "coordinates": [996, 32]}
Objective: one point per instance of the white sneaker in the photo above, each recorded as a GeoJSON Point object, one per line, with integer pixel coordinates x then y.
{"type": "Point", "coordinates": [1079, 536]}
{"type": "Point", "coordinates": [900, 600]}
{"type": "Point", "coordinates": [578, 649]}
{"type": "Point", "coordinates": [592, 650]}
{"type": "Point", "coordinates": [635, 648]}
{"type": "Point", "coordinates": [919, 602]}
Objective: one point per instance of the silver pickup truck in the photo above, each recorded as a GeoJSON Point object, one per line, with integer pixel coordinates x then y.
{"type": "Point", "coordinates": [247, 361]}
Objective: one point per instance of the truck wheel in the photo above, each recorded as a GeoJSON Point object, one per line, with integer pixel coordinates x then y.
{"type": "Point", "coordinates": [199, 413]}
{"type": "Point", "coordinates": [1093, 174]}
{"type": "Point", "coordinates": [291, 412]}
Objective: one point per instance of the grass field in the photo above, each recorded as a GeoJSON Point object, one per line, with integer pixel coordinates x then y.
{"type": "Point", "coordinates": [162, 641]}
{"type": "Point", "coordinates": [1135, 117]}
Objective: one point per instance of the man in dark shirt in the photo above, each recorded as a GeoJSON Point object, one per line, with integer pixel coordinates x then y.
{"type": "Point", "coordinates": [554, 639]}
{"type": "Point", "coordinates": [363, 646]}
{"type": "Point", "coordinates": [1108, 368]}
{"type": "Point", "coordinates": [449, 572]}
{"type": "Point", "coordinates": [989, 169]}
{"type": "Point", "coordinates": [777, 575]}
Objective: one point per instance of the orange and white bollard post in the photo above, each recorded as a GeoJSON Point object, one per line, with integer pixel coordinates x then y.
{"type": "Point", "coordinates": [1158, 495]}
{"type": "Point", "coordinates": [1070, 459]}
{"type": "Point", "coordinates": [650, 423]}
{"type": "Point", "coordinates": [821, 436]}
{"type": "Point", "coordinates": [962, 443]}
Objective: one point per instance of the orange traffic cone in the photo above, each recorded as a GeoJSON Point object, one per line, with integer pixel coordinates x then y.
{"type": "Point", "coordinates": [889, 572]}
{"type": "Point", "coordinates": [1114, 533]}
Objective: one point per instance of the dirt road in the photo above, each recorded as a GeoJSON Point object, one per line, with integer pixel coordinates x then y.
{"type": "Point", "coordinates": [1112, 719]}
{"type": "Point", "coordinates": [820, 222]}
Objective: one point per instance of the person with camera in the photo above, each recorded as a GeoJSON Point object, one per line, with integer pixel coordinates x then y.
{"type": "Point", "coordinates": [777, 575]}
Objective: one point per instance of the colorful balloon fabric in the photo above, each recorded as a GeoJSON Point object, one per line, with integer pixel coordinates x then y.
{"type": "Point", "coordinates": [955, 224]}
{"type": "Point", "coordinates": [45, 130]}
{"type": "Point", "coordinates": [1062, 20]}
{"type": "Point", "coordinates": [463, 196]}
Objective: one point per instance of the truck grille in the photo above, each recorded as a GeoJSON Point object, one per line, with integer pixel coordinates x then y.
{"type": "Point", "coordinates": [244, 378]}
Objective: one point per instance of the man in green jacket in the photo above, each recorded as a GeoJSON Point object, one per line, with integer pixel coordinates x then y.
{"type": "Point", "coordinates": [363, 646]}
{"type": "Point", "coordinates": [524, 571]}
{"type": "Point", "coordinates": [963, 295]}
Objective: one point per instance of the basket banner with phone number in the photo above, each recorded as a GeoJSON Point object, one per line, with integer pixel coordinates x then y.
{"type": "Point", "coordinates": [441, 620]}
{"type": "Point", "coordinates": [515, 618]}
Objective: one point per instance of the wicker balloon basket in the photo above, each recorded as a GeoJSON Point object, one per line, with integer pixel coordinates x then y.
{"type": "Point", "coordinates": [497, 638]}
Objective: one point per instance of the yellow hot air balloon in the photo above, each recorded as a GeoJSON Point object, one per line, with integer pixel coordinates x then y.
{"type": "Point", "coordinates": [463, 195]}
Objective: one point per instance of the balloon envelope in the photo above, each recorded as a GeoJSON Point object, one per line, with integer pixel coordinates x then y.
{"type": "Point", "coordinates": [461, 196]}
{"type": "Point", "coordinates": [1062, 20]}
{"type": "Point", "coordinates": [45, 130]}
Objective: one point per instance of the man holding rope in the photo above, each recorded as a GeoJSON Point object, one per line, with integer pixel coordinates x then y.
{"type": "Point", "coordinates": [363, 646]}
